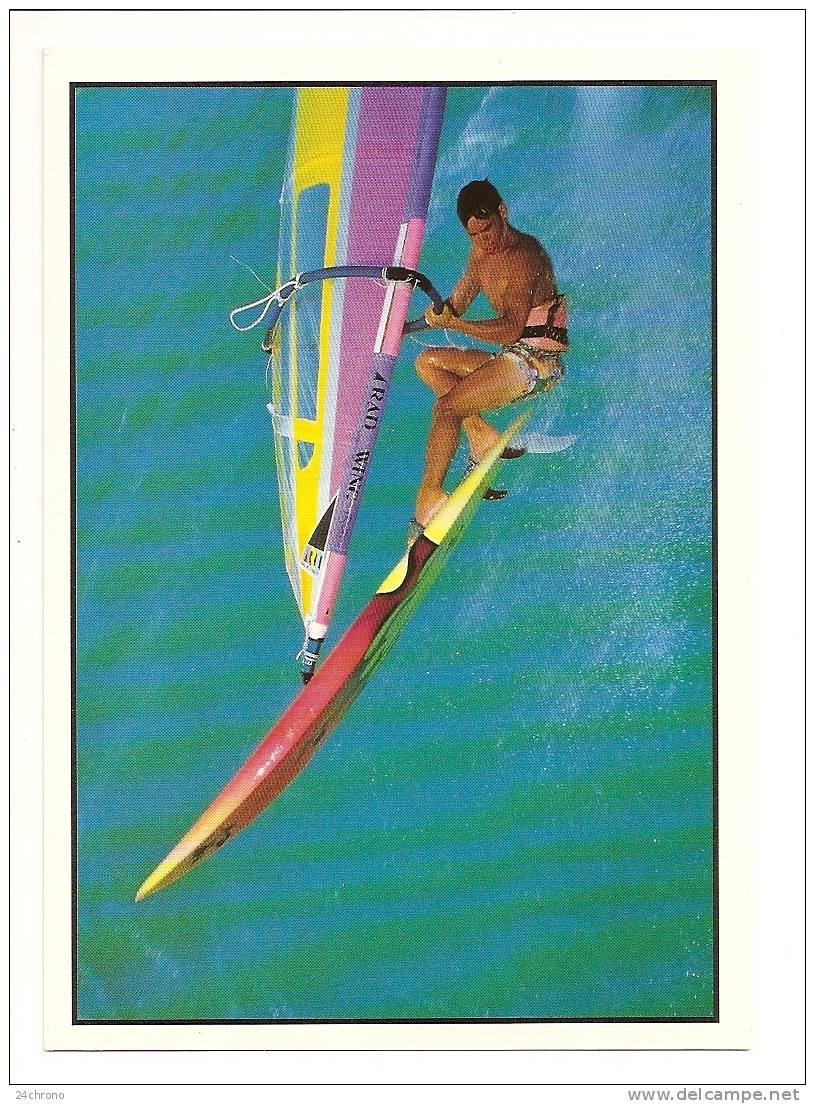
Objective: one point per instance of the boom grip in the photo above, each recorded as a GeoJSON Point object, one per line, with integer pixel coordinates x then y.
{"type": "Point", "coordinates": [417, 325]}
{"type": "Point", "coordinates": [411, 276]}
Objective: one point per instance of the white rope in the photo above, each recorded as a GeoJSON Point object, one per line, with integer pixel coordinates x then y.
{"type": "Point", "coordinates": [265, 302]}
{"type": "Point", "coordinates": [276, 296]}
{"type": "Point", "coordinates": [248, 268]}
{"type": "Point", "coordinates": [266, 374]}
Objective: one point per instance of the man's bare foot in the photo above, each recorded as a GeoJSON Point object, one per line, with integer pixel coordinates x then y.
{"type": "Point", "coordinates": [425, 514]}
{"type": "Point", "coordinates": [416, 527]}
{"type": "Point", "coordinates": [494, 494]}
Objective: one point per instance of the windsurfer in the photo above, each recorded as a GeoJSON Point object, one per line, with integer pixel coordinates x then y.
{"type": "Point", "coordinates": [515, 273]}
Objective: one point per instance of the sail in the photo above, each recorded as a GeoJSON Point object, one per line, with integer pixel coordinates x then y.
{"type": "Point", "coordinates": [356, 191]}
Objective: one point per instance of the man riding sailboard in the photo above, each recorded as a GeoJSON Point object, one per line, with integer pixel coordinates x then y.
{"type": "Point", "coordinates": [515, 273]}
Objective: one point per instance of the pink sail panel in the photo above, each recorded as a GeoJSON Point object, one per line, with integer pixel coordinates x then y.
{"type": "Point", "coordinates": [383, 159]}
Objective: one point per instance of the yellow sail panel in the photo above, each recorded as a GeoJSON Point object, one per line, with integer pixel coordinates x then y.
{"type": "Point", "coordinates": [310, 234]}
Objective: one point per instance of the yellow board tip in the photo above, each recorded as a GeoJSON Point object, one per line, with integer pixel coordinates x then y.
{"type": "Point", "coordinates": [155, 881]}
{"type": "Point", "coordinates": [144, 890]}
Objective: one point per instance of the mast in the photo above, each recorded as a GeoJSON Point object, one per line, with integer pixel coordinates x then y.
{"type": "Point", "coordinates": [385, 352]}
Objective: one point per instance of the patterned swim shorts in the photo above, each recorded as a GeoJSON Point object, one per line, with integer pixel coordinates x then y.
{"type": "Point", "coordinates": [530, 359]}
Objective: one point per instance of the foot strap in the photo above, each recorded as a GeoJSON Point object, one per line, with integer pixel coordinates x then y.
{"type": "Point", "coordinates": [492, 494]}
{"type": "Point", "coordinates": [414, 531]}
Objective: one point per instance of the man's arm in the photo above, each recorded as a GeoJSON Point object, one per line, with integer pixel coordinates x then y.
{"type": "Point", "coordinates": [465, 291]}
{"type": "Point", "coordinates": [513, 309]}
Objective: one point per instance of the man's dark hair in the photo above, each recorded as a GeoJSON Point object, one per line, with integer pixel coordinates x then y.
{"type": "Point", "coordinates": [478, 199]}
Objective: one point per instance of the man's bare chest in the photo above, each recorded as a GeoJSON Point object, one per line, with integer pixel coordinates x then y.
{"type": "Point", "coordinates": [495, 274]}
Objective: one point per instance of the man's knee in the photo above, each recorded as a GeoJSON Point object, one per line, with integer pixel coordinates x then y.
{"type": "Point", "coordinates": [449, 407]}
{"type": "Point", "coordinates": [427, 362]}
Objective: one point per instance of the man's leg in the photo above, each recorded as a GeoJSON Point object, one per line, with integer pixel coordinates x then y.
{"type": "Point", "coordinates": [442, 442]}
{"type": "Point", "coordinates": [495, 384]}
{"type": "Point", "coordinates": [441, 369]}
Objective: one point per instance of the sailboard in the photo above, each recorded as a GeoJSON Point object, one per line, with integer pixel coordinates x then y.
{"type": "Point", "coordinates": [321, 704]}
{"type": "Point", "coordinates": [353, 206]}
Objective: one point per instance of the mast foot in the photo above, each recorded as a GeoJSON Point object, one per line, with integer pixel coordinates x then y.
{"type": "Point", "coordinates": [308, 656]}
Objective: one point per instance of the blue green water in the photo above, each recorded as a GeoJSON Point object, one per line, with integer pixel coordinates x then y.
{"type": "Point", "coordinates": [515, 819]}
